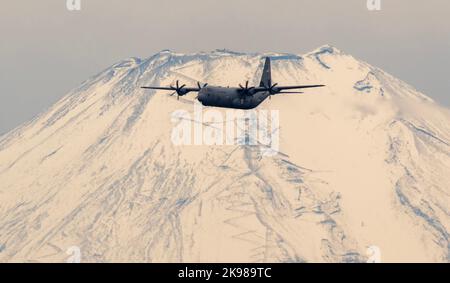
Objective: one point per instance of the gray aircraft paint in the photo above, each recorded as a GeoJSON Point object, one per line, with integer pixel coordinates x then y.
{"type": "Point", "coordinates": [235, 97]}
{"type": "Point", "coordinates": [230, 98]}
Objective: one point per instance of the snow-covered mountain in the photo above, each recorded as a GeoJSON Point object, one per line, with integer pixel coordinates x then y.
{"type": "Point", "coordinates": [364, 162]}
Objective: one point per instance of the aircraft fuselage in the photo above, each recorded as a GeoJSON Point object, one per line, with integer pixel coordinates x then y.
{"type": "Point", "coordinates": [230, 97]}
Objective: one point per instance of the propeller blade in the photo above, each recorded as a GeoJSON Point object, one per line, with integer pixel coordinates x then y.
{"type": "Point", "coordinates": [271, 88]}
{"type": "Point", "coordinates": [200, 86]}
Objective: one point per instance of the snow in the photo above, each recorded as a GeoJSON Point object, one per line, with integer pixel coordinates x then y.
{"type": "Point", "coordinates": [363, 162]}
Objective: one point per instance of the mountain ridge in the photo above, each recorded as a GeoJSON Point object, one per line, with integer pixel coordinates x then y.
{"type": "Point", "coordinates": [362, 163]}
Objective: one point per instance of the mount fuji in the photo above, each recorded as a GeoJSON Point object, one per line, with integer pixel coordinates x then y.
{"type": "Point", "coordinates": [362, 169]}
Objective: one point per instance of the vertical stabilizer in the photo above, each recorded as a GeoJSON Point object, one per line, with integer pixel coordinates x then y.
{"type": "Point", "coordinates": [266, 78]}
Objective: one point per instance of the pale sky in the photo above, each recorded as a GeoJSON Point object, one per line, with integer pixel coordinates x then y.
{"type": "Point", "coordinates": [46, 50]}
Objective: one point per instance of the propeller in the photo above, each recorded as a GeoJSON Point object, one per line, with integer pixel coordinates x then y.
{"type": "Point", "coordinates": [272, 89]}
{"type": "Point", "coordinates": [200, 87]}
{"type": "Point", "coordinates": [245, 90]}
{"type": "Point", "coordinates": [179, 90]}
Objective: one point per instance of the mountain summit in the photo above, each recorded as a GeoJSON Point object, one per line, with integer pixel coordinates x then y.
{"type": "Point", "coordinates": [362, 166]}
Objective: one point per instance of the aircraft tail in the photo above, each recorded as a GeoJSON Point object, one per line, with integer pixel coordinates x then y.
{"type": "Point", "coordinates": [266, 78]}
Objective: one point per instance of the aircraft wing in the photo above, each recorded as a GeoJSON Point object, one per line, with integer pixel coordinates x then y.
{"type": "Point", "coordinates": [157, 87]}
{"type": "Point", "coordinates": [297, 87]}
{"type": "Point", "coordinates": [279, 89]}
{"type": "Point", "coordinates": [188, 89]}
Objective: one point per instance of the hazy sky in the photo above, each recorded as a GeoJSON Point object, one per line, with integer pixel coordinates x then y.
{"type": "Point", "coordinates": [46, 50]}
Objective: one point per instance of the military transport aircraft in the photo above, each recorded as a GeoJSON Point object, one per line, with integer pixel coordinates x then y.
{"type": "Point", "coordinates": [242, 97]}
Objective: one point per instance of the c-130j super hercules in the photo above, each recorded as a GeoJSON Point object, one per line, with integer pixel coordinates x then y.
{"type": "Point", "coordinates": [242, 97]}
